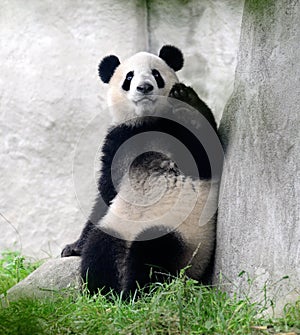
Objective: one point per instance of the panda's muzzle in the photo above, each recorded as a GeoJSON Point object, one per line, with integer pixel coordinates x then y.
{"type": "Point", "coordinates": [145, 88]}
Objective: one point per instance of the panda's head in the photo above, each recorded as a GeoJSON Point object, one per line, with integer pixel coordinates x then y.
{"type": "Point", "coordinates": [136, 83]}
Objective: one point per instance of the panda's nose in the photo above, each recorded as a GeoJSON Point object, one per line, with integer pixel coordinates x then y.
{"type": "Point", "coordinates": [145, 88]}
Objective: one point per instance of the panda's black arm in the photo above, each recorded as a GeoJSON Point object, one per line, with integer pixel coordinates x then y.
{"type": "Point", "coordinates": [75, 248]}
{"type": "Point", "coordinates": [113, 167]}
{"type": "Point", "coordinates": [186, 94]}
{"type": "Point", "coordinates": [98, 211]}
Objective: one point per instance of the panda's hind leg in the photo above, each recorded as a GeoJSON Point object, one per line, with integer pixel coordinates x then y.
{"type": "Point", "coordinates": [153, 257]}
{"type": "Point", "coordinates": [101, 256]}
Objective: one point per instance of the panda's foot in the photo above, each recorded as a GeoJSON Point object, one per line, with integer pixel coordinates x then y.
{"type": "Point", "coordinates": [185, 94]}
{"type": "Point", "coordinates": [71, 250]}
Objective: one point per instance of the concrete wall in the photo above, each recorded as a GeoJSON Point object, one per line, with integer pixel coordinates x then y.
{"type": "Point", "coordinates": [259, 222]}
{"type": "Point", "coordinates": [52, 105]}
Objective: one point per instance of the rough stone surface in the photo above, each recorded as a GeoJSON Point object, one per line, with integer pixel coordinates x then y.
{"type": "Point", "coordinates": [50, 278]}
{"type": "Point", "coordinates": [208, 32]}
{"type": "Point", "coordinates": [53, 108]}
{"type": "Point", "coordinates": [49, 94]}
{"type": "Point", "coordinates": [258, 222]}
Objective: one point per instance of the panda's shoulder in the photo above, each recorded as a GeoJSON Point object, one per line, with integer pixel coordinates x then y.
{"type": "Point", "coordinates": [125, 130]}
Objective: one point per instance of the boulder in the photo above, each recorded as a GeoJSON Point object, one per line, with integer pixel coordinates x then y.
{"type": "Point", "coordinates": [54, 276]}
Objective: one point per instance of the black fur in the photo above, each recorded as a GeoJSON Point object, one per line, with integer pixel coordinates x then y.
{"type": "Point", "coordinates": [75, 249]}
{"type": "Point", "coordinates": [121, 133]}
{"type": "Point", "coordinates": [127, 81]}
{"type": "Point", "coordinates": [147, 260]}
{"type": "Point", "coordinates": [188, 95]}
{"type": "Point", "coordinates": [159, 80]}
{"type": "Point", "coordinates": [153, 259]}
{"type": "Point", "coordinates": [99, 265]}
{"type": "Point", "coordinates": [107, 67]}
{"type": "Point", "coordinates": [172, 56]}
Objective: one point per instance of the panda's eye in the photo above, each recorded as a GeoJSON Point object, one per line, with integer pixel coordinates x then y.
{"type": "Point", "coordinates": [155, 73]}
{"type": "Point", "coordinates": [129, 76]}
{"type": "Point", "coordinates": [127, 81]}
{"type": "Point", "coordinates": [159, 79]}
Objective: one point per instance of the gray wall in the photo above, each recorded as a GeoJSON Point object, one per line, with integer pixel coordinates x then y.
{"type": "Point", "coordinates": [259, 211]}
{"type": "Point", "coordinates": [52, 105]}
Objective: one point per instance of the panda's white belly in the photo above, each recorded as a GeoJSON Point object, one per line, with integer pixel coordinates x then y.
{"type": "Point", "coordinates": [153, 199]}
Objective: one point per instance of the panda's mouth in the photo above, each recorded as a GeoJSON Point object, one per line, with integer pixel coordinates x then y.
{"type": "Point", "coordinates": [145, 99]}
{"type": "Point", "coordinates": [144, 105]}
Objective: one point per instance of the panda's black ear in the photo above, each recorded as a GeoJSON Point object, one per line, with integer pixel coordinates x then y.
{"type": "Point", "coordinates": [172, 56]}
{"type": "Point", "coordinates": [107, 67]}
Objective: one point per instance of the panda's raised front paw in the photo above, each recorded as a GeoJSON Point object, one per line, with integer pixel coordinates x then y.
{"type": "Point", "coordinates": [185, 94]}
{"type": "Point", "coordinates": [71, 250]}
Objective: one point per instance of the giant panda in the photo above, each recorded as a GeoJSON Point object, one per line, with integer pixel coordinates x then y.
{"type": "Point", "coordinates": [155, 212]}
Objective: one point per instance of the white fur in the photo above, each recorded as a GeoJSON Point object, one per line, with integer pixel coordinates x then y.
{"type": "Point", "coordinates": [126, 105]}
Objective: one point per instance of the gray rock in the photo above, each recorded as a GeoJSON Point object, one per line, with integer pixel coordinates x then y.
{"type": "Point", "coordinates": [53, 276]}
{"type": "Point", "coordinates": [258, 221]}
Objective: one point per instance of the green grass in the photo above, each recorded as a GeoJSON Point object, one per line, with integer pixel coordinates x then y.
{"type": "Point", "coordinates": [179, 307]}
{"type": "Point", "coordinates": [13, 268]}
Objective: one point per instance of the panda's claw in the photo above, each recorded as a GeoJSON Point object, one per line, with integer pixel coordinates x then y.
{"type": "Point", "coordinates": [71, 250]}
{"type": "Point", "coordinates": [184, 93]}
{"type": "Point", "coordinates": [175, 91]}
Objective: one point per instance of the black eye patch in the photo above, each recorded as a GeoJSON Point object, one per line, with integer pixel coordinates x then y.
{"type": "Point", "coordinates": [159, 80]}
{"type": "Point", "coordinates": [127, 81]}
